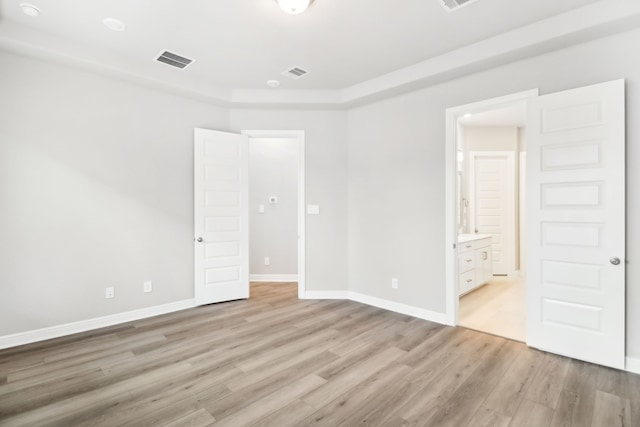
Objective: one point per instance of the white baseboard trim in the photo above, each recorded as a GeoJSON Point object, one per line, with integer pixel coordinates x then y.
{"type": "Point", "coordinates": [90, 324]}
{"type": "Point", "coordinates": [409, 310]}
{"type": "Point", "coordinates": [325, 295]}
{"type": "Point", "coordinates": [273, 277]}
{"type": "Point", "coordinates": [632, 365]}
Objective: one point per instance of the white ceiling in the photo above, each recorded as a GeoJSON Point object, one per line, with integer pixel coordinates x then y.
{"type": "Point", "coordinates": [238, 45]}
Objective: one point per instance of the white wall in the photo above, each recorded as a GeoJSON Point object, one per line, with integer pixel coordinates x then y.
{"type": "Point", "coordinates": [96, 190]}
{"type": "Point", "coordinates": [326, 177]}
{"type": "Point", "coordinates": [397, 171]}
{"type": "Point", "coordinates": [273, 171]}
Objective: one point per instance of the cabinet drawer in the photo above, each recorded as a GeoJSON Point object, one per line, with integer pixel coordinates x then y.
{"type": "Point", "coordinates": [467, 282]}
{"type": "Point", "coordinates": [466, 246]}
{"type": "Point", "coordinates": [466, 262]}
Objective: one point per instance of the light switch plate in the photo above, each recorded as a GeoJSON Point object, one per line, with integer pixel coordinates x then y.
{"type": "Point", "coordinates": [261, 209]}
{"type": "Point", "coordinates": [313, 209]}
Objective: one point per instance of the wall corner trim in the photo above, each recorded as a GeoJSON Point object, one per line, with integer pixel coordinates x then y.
{"type": "Point", "coordinates": [57, 331]}
{"type": "Point", "coordinates": [632, 365]}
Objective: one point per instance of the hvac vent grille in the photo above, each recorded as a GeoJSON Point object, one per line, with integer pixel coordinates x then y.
{"type": "Point", "coordinates": [451, 5]}
{"type": "Point", "coordinates": [295, 73]}
{"type": "Point", "coordinates": [173, 59]}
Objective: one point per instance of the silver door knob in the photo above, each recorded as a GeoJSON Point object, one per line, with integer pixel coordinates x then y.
{"type": "Point", "coordinates": [200, 240]}
{"type": "Point", "coordinates": [615, 260]}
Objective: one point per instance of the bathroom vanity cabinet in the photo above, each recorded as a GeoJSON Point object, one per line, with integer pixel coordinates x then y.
{"type": "Point", "coordinates": [474, 261]}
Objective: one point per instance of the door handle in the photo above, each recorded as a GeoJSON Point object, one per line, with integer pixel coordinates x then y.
{"type": "Point", "coordinates": [199, 240]}
{"type": "Point", "coordinates": [615, 260]}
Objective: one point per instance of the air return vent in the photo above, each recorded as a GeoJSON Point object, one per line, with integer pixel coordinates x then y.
{"type": "Point", "coordinates": [451, 5]}
{"type": "Point", "coordinates": [173, 59]}
{"type": "Point", "coordinates": [295, 73]}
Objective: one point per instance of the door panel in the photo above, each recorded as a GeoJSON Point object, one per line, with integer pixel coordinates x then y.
{"type": "Point", "coordinates": [492, 205]}
{"type": "Point", "coordinates": [221, 216]}
{"type": "Point", "coordinates": [576, 223]}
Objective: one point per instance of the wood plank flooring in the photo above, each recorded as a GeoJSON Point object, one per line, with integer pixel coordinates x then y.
{"type": "Point", "coordinates": [274, 360]}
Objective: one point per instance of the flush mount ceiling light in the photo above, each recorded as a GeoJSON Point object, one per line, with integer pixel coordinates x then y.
{"type": "Point", "coordinates": [273, 83]}
{"type": "Point", "coordinates": [294, 7]}
{"type": "Point", "coordinates": [29, 9]}
{"type": "Point", "coordinates": [114, 24]}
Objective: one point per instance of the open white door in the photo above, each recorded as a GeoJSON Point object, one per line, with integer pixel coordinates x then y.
{"type": "Point", "coordinates": [576, 224]}
{"type": "Point", "coordinates": [221, 211]}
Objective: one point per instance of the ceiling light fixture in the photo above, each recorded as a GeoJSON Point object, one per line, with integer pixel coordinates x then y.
{"type": "Point", "coordinates": [273, 83]}
{"type": "Point", "coordinates": [114, 24]}
{"type": "Point", "coordinates": [294, 7]}
{"type": "Point", "coordinates": [29, 9]}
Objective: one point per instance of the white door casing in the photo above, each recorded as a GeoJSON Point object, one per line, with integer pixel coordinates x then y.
{"type": "Point", "coordinates": [221, 216]}
{"type": "Point", "coordinates": [492, 204]}
{"type": "Point", "coordinates": [576, 224]}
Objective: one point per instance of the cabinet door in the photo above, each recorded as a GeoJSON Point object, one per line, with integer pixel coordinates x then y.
{"type": "Point", "coordinates": [483, 265]}
{"type": "Point", "coordinates": [487, 264]}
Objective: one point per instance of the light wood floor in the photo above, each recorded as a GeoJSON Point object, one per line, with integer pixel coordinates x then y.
{"type": "Point", "coordinates": [277, 361]}
{"type": "Point", "coordinates": [498, 308]}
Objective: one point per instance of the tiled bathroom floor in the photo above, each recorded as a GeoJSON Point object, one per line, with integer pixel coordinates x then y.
{"type": "Point", "coordinates": [498, 308]}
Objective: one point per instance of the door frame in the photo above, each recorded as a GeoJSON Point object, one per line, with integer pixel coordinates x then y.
{"type": "Point", "coordinates": [511, 200]}
{"type": "Point", "coordinates": [451, 227]}
{"type": "Point", "coordinates": [299, 136]}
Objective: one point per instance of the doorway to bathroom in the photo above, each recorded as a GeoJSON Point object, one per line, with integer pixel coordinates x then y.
{"type": "Point", "coordinates": [490, 195]}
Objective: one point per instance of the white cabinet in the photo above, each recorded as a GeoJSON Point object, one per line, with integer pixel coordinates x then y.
{"type": "Point", "coordinates": [474, 262]}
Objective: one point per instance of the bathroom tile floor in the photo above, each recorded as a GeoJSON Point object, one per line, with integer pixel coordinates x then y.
{"type": "Point", "coordinates": [497, 308]}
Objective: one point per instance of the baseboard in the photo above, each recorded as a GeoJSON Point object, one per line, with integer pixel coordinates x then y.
{"type": "Point", "coordinates": [409, 310]}
{"type": "Point", "coordinates": [90, 324]}
{"type": "Point", "coordinates": [273, 277]}
{"type": "Point", "coordinates": [325, 295]}
{"type": "Point", "coordinates": [632, 365]}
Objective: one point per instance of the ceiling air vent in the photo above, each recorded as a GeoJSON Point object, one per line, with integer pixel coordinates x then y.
{"type": "Point", "coordinates": [295, 73]}
{"type": "Point", "coordinates": [451, 5]}
{"type": "Point", "coordinates": [173, 59]}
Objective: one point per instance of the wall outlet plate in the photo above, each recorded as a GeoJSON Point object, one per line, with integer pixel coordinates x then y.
{"type": "Point", "coordinates": [109, 292]}
{"type": "Point", "coordinates": [267, 260]}
{"type": "Point", "coordinates": [394, 283]}
{"type": "Point", "coordinates": [147, 286]}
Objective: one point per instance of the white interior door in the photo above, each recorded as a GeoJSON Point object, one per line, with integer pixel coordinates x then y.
{"type": "Point", "coordinates": [576, 224]}
{"type": "Point", "coordinates": [492, 210]}
{"type": "Point", "coordinates": [221, 222]}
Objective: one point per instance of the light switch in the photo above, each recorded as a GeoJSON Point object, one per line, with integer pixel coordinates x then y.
{"type": "Point", "coordinates": [260, 208]}
{"type": "Point", "coordinates": [313, 209]}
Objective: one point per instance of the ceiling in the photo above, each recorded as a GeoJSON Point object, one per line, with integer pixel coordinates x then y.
{"type": "Point", "coordinates": [238, 45]}
{"type": "Point", "coordinates": [512, 115]}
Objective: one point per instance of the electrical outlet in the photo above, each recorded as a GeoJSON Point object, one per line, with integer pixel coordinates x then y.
{"type": "Point", "coordinates": [109, 292]}
{"type": "Point", "coordinates": [148, 286]}
{"type": "Point", "coordinates": [267, 260]}
{"type": "Point", "coordinates": [394, 283]}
